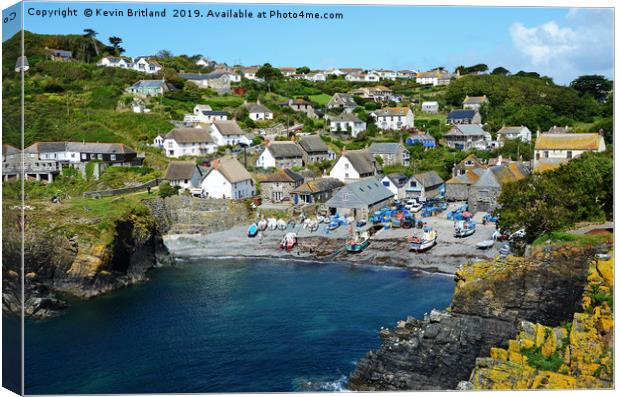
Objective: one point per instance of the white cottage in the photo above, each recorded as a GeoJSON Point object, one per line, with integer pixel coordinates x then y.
{"type": "Point", "coordinates": [353, 165]}
{"type": "Point", "coordinates": [188, 142]}
{"type": "Point", "coordinates": [228, 132]}
{"type": "Point", "coordinates": [228, 179]}
{"type": "Point", "coordinates": [393, 118]}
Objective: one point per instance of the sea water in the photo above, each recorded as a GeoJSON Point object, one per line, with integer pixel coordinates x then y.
{"type": "Point", "coordinates": [227, 325]}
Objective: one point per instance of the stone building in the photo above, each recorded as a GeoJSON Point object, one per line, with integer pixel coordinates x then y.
{"type": "Point", "coordinates": [279, 186]}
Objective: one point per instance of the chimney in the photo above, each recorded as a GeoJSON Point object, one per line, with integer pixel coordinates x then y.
{"type": "Point", "coordinates": [216, 164]}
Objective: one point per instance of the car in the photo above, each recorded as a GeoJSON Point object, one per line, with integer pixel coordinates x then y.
{"type": "Point", "coordinates": [416, 207]}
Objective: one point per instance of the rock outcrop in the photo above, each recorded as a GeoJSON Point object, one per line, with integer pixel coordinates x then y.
{"type": "Point", "coordinates": [56, 264]}
{"type": "Point", "coordinates": [490, 300]}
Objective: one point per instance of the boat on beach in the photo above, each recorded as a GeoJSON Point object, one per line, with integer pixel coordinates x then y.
{"type": "Point", "coordinates": [421, 243]}
{"type": "Point", "coordinates": [262, 225]}
{"type": "Point", "coordinates": [288, 241]}
{"type": "Point", "coordinates": [281, 224]}
{"type": "Point", "coordinates": [464, 228]}
{"type": "Point", "coordinates": [489, 242]}
{"type": "Point", "coordinates": [252, 230]}
{"type": "Point", "coordinates": [359, 242]}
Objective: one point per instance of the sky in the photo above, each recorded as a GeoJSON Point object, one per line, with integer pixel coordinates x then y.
{"type": "Point", "coordinates": [561, 43]}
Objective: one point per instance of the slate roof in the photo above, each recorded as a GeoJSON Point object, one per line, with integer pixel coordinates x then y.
{"type": "Point", "coordinates": [285, 176]}
{"type": "Point", "coordinates": [319, 186]}
{"type": "Point", "coordinates": [85, 147]}
{"type": "Point", "coordinates": [232, 169]}
{"type": "Point", "coordinates": [362, 160]}
{"type": "Point", "coordinates": [386, 148]}
{"type": "Point", "coordinates": [284, 149]}
{"type": "Point", "coordinates": [201, 76]}
{"type": "Point", "coordinates": [213, 112]}
{"type": "Point", "coordinates": [149, 84]}
{"type": "Point", "coordinates": [428, 178]}
{"type": "Point", "coordinates": [360, 194]}
{"type": "Point", "coordinates": [568, 142]}
{"type": "Point", "coordinates": [345, 99]}
{"type": "Point", "coordinates": [499, 175]}
{"type": "Point", "coordinates": [60, 53]}
{"type": "Point", "coordinates": [460, 114]}
{"type": "Point", "coordinates": [469, 178]}
{"type": "Point", "coordinates": [398, 179]}
{"type": "Point", "coordinates": [190, 135]}
{"type": "Point", "coordinates": [228, 127]}
{"type": "Point", "coordinates": [466, 130]}
{"type": "Point", "coordinates": [8, 150]}
{"type": "Point", "coordinates": [346, 117]}
{"type": "Point", "coordinates": [21, 62]}
{"type": "Point", "coordinates": [180, 170]}
{"type": "Point", "coordinates": [510, 130]}
{"type": "Point", "coordinates": [313, 144]}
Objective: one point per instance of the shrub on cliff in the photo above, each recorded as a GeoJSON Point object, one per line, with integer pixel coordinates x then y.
{"type": "Point", "coordinates": [167, 190]}
{"type": "Point", "coordinates": [581, 190]}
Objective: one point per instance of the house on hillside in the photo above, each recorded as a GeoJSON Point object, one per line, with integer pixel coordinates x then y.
{"type": "Point", "coordinates": [249, 72]}
{"type": "Point", "coordinates": [400, 118]}
{"type": "Point", "coordinates": [435, 77]}
{"type": "Point", "coordinates": [514, 132]}
{"type": "Point", "coordinates": [457, 187]}
{"type": "Point", "coordinates": [342, 101]}
{"type": "Point", "coordinates": [396, 183]}
{"type": "Point", "coordinates": [115, 62]}
{"type": "Point", "coordinates": [347, 122]}
{"type": "Point", "coordinates": [227, 178]}
{"type": "Point", "coordinates": [217, 81]}
{"type": "Point", "coordinates": [184, 174]}
{"type": "Point", "coordinates": [355, 164]}
{"type": "Point", "coordinates": [378, 93]}
{"type": "Point", "coordinates": [314, 149]}
{"type": "Point", "coordinates": [279, 186]}
{"type": "Point", "coordinates": [360, 199]}
{"type": "Point", "coordinates": [425, 185]}
{"type": "Point", "coordinates": [188, 142]}
{"type": "Point", "coordinates": [553, 149]}
{"type": "Point", "coordinates": [316, 191]}
{"type": "Point", "coordinates": [258, 112]}
{"type": "Point", "coordinates": [464, 116]}
{"type": "Point", "coordinates": [467, 136]}
{"type": "Point", "coordinates": [300, 105]}
{"type": "Point", "coordinates": [204, 114]}
{"type": "Point", "coordinates": [228, 132]}
{"type": "Point", "coordinates": [430, 107]}
{"type": "Point", "coordinates": [59, 55]}
{"type": "Point", "coordinates": [469, 163]}
{"type": "Point", "coordinates": [117, 154]}
{"type": "Point", "coordinates": [392, 153]}
{"type": "Point", "coordinates": [148, 88]}
{"type": "Point", "coordinates": [280, 154]}
{"type": "Point", "coordinates": [474, 102]}
{"type": "Point", "coordinates": [484, 192]}
{"type": "Point", "coordinates": [362, 77]}
{"type": "Point", "coordinates": [205, 62]}
{"type": "Point", "coordinates": [146, 65]}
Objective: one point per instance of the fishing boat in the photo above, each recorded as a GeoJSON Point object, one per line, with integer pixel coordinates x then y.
{"type": "Point", "coordinates": [272, 223]}
{"type": "Point", "coordinates": [424, 242]}
{"type": "Point", "coordinates": [489, 242]}
{"type": "Point", "coordinates": [288, 241]}
{"type": "Point", "coordinates": [464, 228]}
{"type": "Point", "coordinates": [252, 230]}
{"type": "Point", "coordinates": [359, 242]}
{"type": "Point", "coordinates": [262, 225]}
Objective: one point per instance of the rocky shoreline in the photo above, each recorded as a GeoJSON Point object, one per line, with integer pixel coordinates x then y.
{"type": "Point", "coordinates": [490, 302]}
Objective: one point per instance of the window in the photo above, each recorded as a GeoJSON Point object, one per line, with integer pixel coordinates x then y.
{"type": "Point", "coordinates": [413, 184]}
{"type": "Point", "coordinates": [84, 156]}
{"type": "Point", "coordinates": [93, 156]}
{"type": "Point", "coordinates": [100, 156]}
{"type": "Point", "coordinates": [569, 154]}
{"type": "Point", "coordinates": [346, 166]}
{"type": "Point", "coordinates": [546, 154]}
{"type": "Point", "coordinates": [112, 157]}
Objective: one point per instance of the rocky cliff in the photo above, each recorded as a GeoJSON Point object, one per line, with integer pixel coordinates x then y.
{"type": "Point", "coordinates": [59, 259]}
{"type": "Point", "coordinates": [490, 300]}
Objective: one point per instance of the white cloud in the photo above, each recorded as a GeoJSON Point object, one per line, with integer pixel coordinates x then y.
{"type": "Point", "coordinates": [583, 44]}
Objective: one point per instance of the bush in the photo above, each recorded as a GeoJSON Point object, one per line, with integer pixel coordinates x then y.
{"type": "Point", "coordinates": [537, 360]}
{"type": "Point", "coordinates": [167, 190]}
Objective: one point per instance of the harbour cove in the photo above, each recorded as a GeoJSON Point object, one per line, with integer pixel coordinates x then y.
{"type": "Point", "coordinates": [234, 325]}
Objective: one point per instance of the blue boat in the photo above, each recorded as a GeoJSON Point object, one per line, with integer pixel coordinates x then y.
{"type": "Point", "coordinates": [252, 230]}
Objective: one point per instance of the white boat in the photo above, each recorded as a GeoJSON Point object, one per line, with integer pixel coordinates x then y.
{"type": "Point", "coordinates": [281, 224]}
{"type": "Point", "coordinates": [272, 223]}
{"type": "Point", "coordinates": [464, 228]}
{"type": "Point", "coordinates": [426, 241]}
{"type": "Point", "coordinates": [485, 244]}
{"type": "Point", "coordinates": [288, 241]}
{"type": "Point", "coordinates": [262, 225]}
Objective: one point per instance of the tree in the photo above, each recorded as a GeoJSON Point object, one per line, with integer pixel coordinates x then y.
{"type": "Point", "coordinates": [115, 42]}
{"type": "Point", "coordinates": [596, 85]}
{"type": "Point", "coordinates": [91, 34]}
{"type": "Point", "coordinates": [501, 71]}
{"type": "Point", "coordinates": [268, 73]}
{"type": "Point", "coordinates": [165, 54]}
{"type": "Point", "coordinates": [302, 70]}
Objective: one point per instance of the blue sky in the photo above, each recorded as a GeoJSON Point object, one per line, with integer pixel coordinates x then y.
{"type": "Point", "coordinates": [560, 42]}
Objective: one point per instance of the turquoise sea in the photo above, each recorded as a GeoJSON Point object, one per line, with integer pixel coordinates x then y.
{"type": "Point", "coordinates": [227, 325]}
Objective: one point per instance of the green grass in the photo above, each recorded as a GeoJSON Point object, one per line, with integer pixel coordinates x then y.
{"type": "Point", "coordinates": [576, 240]}
{"type": "Point", "coordinates": [321, 99]}
{"type": "Point", "coordinates": [536, 359]}
{"type": "Point", "coordinates": [220, 102]}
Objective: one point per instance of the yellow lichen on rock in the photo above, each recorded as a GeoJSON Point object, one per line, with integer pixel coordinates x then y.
{"type": "Point", "coordinates": [572, 356]}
